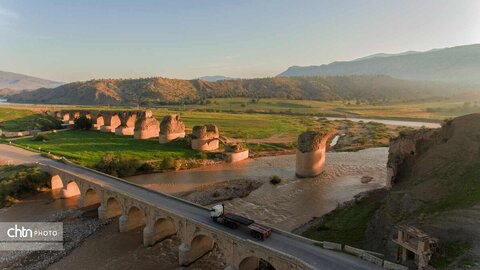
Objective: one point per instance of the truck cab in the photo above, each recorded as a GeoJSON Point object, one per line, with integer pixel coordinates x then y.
{"type": "Point", "coordinates": [216, 211]}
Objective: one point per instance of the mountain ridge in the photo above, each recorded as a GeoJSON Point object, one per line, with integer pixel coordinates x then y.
{"type": "Point", "coordinates": [460, 64]}
{"type": "Point", "coordinates": [16, 81]}
{"type": "Point", "coordinates": [159, 90]}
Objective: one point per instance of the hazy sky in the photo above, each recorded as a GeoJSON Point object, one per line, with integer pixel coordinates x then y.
{"type": "Point", "coordinates": [80, 40]}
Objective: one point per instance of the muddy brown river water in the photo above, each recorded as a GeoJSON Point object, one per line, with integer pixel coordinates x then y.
{"type": "Point", "coordinates": [293, 202]}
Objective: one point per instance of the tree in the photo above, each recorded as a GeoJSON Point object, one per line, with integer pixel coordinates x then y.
{"type": "Point", "coordinates": [82, 122]}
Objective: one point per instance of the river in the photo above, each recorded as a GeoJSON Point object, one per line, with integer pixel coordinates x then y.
{"type": "Point", "coordinates": [293, 202]}
{"type": "Point", "coordinates": [390, 122]}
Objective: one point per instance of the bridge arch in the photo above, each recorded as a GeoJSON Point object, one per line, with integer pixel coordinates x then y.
{"type": "Point", "coordinates": [133, 218]}
{"type": "Point", "coordinates": [70, 190]}
{"type": "Point", "coordinates": [91, 197]}
{"type": "Point", "coordinates": [200, 245]}
{"type": "Point", "coordinates": [254, 263]}
{"type": "Point", "coordinates": [163, 228]}
{"type": "Point", "coordinates": [56, 182]}
{"type": "Point", "coordinates": [110, 208]}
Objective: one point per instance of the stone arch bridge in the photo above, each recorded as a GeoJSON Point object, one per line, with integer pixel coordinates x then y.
{"type": "Point", "coordinates": [162, 216]}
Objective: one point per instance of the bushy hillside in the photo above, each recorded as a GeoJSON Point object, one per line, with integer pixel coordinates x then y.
{"type": "Point", "coordinates": [436, 186]}
{"type": "Point", "coordinates": [150, 91]}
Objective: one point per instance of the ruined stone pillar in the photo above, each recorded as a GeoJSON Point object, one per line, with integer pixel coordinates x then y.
{"type": "Point", "coordinates": [311, 148]}
{"type": "Point", "coordinates": [235, 153]}
{"type": "Point", "coordinates": [171, 128]}
{"type": "Point", "coordinates": [127, 127]}
{"type": "Point", "coordinates": [205, 138]}
{"type": "Point", "coordinates": [146, 128]}
{"type": "Point", "coordinates": [111, 122]}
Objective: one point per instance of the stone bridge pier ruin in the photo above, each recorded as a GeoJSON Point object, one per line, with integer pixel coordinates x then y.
{"type": "Point", "coordinates": [127, 124]}
{"type": "Point", "coordinates": [111, 121]}
{"type": "Point", "coordinates": [146, 126]}
{"type": "Point", "coordinates": [311, 151]}
{"type": "Point", "coordinates": [205, 138]}
{"type": "Point", "coordinates": [171, 128]}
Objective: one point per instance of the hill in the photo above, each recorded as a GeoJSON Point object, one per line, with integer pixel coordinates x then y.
{"type": "Point", "coordinates": [151, 91]}
{"type": "Point", "coordinates": [454, 65]}
{"type": "Point", "coordinates": [215, 78]}
{"type": "Point", "coordinates": [436, 186]}
{"type": "Point", "coordinates": [15, 81]}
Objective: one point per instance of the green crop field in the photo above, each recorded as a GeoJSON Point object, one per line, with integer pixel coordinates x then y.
{"type": "Point", "coordinates": [433, 110]}
{"type": "Point", "coordinates": [87, 147]}
{"type": "Point", "coordinates": [247, 126]}
{"type": "Point", "coordinates": [21, 119]}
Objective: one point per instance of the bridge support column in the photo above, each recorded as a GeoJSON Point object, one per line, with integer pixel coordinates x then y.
{"type": "Point", "coordinates": [184, 254]}
{"type": "Point", "coordinates": [232, 267]}
{"type": "Point", "coordinates": [123, 224]}
{"type": "Point", "coordinates": [68, 193]}
{"type": "Point", "coordinates": [149, 236]}
{"type": "Point", "coordinates": [102, 212]}
{"type": "Point", "coordinates": [80, 201]}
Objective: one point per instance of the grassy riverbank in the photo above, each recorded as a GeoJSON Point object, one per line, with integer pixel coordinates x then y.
{"type": "Point", "coordinates": [16, 181]}
{"type": "Point", "coordinates": [88, 147]}
{"type": "Point", "coordinates": [347, 224]}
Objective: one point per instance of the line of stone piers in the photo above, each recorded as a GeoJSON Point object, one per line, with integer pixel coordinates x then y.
{"type": "Point", "coordinates": [143, 125]}
{"type": "Point", "coordinates": [310, 152]}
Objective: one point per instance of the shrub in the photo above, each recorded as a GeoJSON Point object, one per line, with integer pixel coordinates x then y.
{"type": "Point", "coordinates": [202, 155]}
{"type": "Point", "coordinates": [82, 122]}
{"type": "Point", "coordinates": [40, 137]}
{"type": "Point", "coordinates": [120, 166]}
{"type": "Point", "coordinates": [20, 180]}
{"type": "Point", "coordinates": [275, 179]}
{"type": "Point", "coordinates": [146, 167]}
{"type": "Point", "coordinates": [169, 163]}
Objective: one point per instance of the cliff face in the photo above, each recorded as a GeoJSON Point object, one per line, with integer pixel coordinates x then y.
{"type": "Point", "coordinates": [434, 175]}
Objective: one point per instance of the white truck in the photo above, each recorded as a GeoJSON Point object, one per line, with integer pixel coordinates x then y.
{"type": "Point", "coordinates": [218, 214]}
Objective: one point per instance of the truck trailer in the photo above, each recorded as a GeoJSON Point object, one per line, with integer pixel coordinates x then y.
{"type": "Point", "coordinates": [218, 214]}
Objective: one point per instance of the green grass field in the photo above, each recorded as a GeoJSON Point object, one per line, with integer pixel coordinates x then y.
{"type": "Point", "coordinates": [21, 119]}
{"type": "Point", "coordinates": [245, 126]}
{"type": "Point", "coordinates": [433, 110]}
{"type": "Point", "coordinates": [87, 147]}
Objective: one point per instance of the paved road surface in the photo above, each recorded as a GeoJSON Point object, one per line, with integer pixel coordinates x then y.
{"type": "Point", "coordinates": [315, 256]}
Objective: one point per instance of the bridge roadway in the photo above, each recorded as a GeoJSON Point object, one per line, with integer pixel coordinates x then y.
{"type": "Point", "coordinates": [315, 256]}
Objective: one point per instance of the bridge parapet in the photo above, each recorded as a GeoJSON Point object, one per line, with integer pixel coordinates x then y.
{"type": "Point", "coordinates": [160, 223]}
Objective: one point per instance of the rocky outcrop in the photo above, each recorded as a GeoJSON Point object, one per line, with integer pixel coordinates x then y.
{"type": "Point", "coordinates": [205, 138]}
{"type": "Point", "coordinates": [311, 148]}
{"type": "Point", "coordinates": [171, 128]}
{"type": "Point", "coordinates": [433, 173]}
{"type": "Point", "coordinates": [403, 151]}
